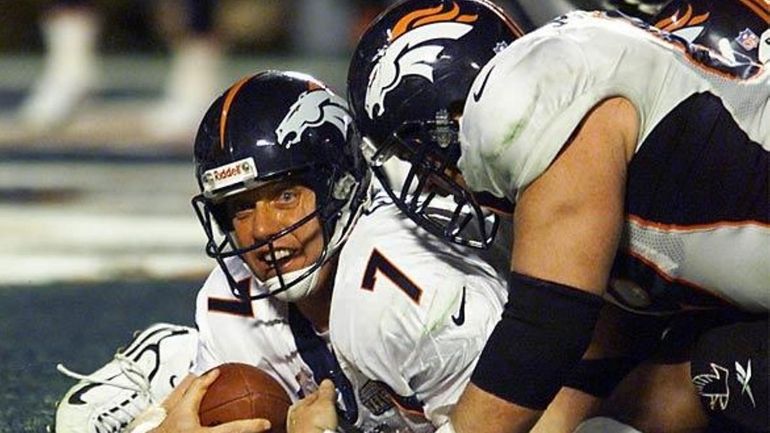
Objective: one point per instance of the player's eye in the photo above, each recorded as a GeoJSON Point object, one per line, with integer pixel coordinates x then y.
{"type": "Point", "coordinates": [287, 197]}
{"type": "Point", "coordinates": [241, 209]}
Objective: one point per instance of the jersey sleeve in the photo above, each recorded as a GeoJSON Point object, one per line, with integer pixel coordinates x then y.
{"type": "Point", "coordinates": [527, 102]}
{"type": "Point", "coordinates": [524, 116]}
{"type": "Point", "coordinates": [446, 355]}
{"type": "Point", "coordinates": [205, 354]}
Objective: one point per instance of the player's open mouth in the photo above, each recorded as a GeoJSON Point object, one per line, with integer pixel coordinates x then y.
{"type": "Point", "coordinates": [279, 257]}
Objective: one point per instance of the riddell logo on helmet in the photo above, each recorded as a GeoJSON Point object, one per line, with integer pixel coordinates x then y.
{"type": "Point", "coordinates": [409, 53]}
{"type": "Point", "coordinates": [230, 174]}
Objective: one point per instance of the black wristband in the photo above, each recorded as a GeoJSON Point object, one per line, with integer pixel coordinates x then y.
{"type": "Point", "coordinates": [543, 333]}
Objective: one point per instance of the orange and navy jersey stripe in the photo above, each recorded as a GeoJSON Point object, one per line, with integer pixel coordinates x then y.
{"type": "Point", "coordinates": [690, 189]}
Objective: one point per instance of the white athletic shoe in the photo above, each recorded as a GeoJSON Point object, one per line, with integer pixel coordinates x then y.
{"type": "Point", "coordinates": [191, 85]}
{"type": "Point", "coordinates": [140, 375]}
{"type": "Point", "coordinates": [69, 73]}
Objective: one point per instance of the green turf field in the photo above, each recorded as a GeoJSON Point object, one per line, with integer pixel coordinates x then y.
{"type": "Point", "coordinates": [80, 326]}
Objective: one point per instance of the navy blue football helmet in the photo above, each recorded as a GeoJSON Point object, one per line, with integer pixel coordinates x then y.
{"type": "Point", "coordinates": [407, 83]}
{"type": "Point", "coordinates": [738, 30]}
{"type": "Point", "coordinates": [268, 127]}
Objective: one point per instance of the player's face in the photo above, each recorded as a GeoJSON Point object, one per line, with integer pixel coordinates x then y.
{"type": "Point", "coordinates": [260, 213]}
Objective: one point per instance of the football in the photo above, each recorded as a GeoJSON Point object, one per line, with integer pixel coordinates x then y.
{"type": "Point", "coordinates": [242, 392]}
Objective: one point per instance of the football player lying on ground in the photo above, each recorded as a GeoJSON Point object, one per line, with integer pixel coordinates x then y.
{"type": "Point", "coordinates": [639, 168]}
{"type": "Point", "coordinates": [282, 176]}
{"type": "Point", "coordinates": [285, 193]}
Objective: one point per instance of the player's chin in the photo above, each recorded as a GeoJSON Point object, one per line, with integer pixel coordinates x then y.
{"type": "Point", "coordinates": [292, 264]}
{"type": "Point", "coordinates": [261, 270]}
{"type": "Point", "coordinates": [271, 270]}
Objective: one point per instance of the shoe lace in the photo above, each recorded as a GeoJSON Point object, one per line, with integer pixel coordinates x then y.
{"type": "Point", "coordinates": [120, 415]}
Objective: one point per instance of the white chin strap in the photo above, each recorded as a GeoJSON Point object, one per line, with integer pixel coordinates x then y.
{"type": "Point", "coordinates": [296, 292]}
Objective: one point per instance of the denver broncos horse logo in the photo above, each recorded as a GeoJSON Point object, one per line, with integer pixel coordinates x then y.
{"type": "Point", "coordinates": [312, 109]}
{"type": "Point", "coordinates": [684, 23]}
{"type": "Point", "coordinates": [411, 51]}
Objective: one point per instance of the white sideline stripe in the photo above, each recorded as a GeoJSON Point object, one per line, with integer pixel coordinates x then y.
{"type": "Point", "coordinates": [29, 230]}
{"type": "Point", "coordinates": [47, 269]}
{"type": "Point", "coordinates": [99, 221]}
{"type": "Point", "coordinates": [43, 245]}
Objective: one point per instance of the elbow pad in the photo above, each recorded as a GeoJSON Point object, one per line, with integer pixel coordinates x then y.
{"type": "Point", "coordinates": [544, 331]}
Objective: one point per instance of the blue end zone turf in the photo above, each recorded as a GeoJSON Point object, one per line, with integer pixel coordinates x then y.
{"type": "Point", "coordinates": [80, 326]}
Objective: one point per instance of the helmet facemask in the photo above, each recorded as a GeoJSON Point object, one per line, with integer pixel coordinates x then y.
{"type": "Point", "coordinates": [408, 79]}
{"type": "Point", "coordinates": [431, 150]}
{"type": "Point", "coordinates": [279, 128]}
{"type": "Point", "coordinates": [338, 205]}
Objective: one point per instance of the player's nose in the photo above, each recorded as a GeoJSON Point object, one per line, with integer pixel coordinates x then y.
{"type": "Point", "coordinates": [263, 223]}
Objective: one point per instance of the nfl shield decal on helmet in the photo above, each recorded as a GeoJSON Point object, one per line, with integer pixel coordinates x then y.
{"type": "Point", "coordinates": [415, 44]}
{"type": "Point", "coordinates": [312, 109]}
{"type": "Point", "coordinates": [748, 39]}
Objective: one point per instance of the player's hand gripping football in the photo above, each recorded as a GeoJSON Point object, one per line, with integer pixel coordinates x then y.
{"type": "Point", "coordinates": [183, 416]}
{"type": "Point", "coordinates": [315, 413]}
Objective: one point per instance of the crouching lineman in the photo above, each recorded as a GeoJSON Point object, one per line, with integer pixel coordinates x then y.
{"type": "Point", "coordinates": [636, 161]}
{"type": "Point", "coordinates": [400, 52]}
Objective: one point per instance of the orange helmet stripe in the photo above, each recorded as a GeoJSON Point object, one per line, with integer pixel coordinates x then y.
{"type": "Point", "coordinates": [403, 24]}
{"type": "Point", "coordinates": [664, 23]}
{"type": "Point", "coordinates": [699, 19]}
{"type": "Point", "coordinates": [231, 92]}
{"type": "Point", "coordinates": [467, 18]}
{"type": "Point", "coordinates": [426, 16]}
{"type": "Point", "coordinates": [446, 16]}
{"type": "Point", "coordinates": [675, 22]}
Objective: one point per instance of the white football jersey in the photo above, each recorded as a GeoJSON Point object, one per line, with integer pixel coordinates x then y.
{"type": "Point", "coordinates": [410, 315]}
{"type": "Point", "coordinates": [267, 333]}
{"type": "Point", "coordinates": [697, 231]}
